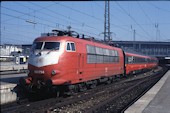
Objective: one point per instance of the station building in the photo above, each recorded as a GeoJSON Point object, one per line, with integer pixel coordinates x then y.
{"type": "Point", "coordinates": [157, 49]}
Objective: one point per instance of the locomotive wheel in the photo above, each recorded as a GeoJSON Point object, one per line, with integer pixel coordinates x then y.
{"type": "Point", "coordinates": [125, 76]}
{"type": "Point", "coordinates": [74, 90]}
{"type": "Point", "coordinates": [82, 87]}
{"type": "Point", "coordinates": [94, 84]}
{"type": "Point", "coordinates": [55, 90]}
{"type": "Point", "coordinates": [109, 81]}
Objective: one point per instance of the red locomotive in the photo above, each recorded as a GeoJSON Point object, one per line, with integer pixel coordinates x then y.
{"type": "Point", "coordinates": [65, 62]}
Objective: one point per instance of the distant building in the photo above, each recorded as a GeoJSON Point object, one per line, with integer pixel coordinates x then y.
{"type": "Point", "coordinates": [7, 49]}
{"type": "Point", "coordinates": [26, 49]}
{"type": "Point", "coordinates": [157, 49]}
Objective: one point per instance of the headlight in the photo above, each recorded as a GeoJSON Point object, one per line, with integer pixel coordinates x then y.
{"type": "Point", "coordinates": [54, 72]}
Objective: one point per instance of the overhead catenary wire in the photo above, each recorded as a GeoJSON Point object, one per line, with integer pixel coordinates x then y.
{"type": "Point", "coordinates": [145, 13]}
{"type": "Point", "coordinates": [148, 18]}
{"type": "Point", "coordinates": [26, 14]}
{"type": "Point", "coordinates": [72, 27]}
{"type": "Point", "coordinates": [21, 30]}
{"type": "Point", "coordinates": [153, 5]}
{"type": "Point", "coordinates": [29, 8]}
{"type": "Point", "coordinates": [41, 19]}
{"type": "Point", "coordinates": [80, 11]}
{"type": "Point", "coordinates": [47, 20]}
{"type": "Point", "coordinates": [99, 19]}
{"type": "Point", "coordinates": [69, 18]}
{"type": "Point", "coordinates": [160, 9]}
{"type": "Point", "coordinates": [125, 29]}
{"type": "Point", "coordinates": [79, 24]}
{"type": "Point", "coordinates": [149, 36]}
{"type": "Point", "coordinates": [18, 35]}
{"type": "Point", "coordinates": [42, 23]}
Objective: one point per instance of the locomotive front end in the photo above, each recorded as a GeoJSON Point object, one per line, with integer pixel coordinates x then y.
{"type": "Point", "coordinates": [42, 64]}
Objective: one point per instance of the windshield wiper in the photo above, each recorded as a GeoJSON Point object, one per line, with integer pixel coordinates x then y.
{"type": "Point", "coordinates": [53, 49]}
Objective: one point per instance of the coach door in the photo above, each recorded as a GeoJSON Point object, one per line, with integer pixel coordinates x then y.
{"type": "Point", "coordinates": [80, 63]}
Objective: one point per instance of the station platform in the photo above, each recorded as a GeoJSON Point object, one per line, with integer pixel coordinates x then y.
{"type": "Point", "coordinates": [8, 84]}
{"type": "Point", "coordinates": [6, 66]}
{"type": "Point", "coordinates": [156, 100]}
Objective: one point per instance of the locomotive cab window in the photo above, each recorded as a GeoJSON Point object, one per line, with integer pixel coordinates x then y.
{"type": "Point", "coordinates": [45, 46]}
{"type": "Point", "coordinates": [70, 46]}
{"type": "Point", "coordinates": [51, 45]}
{"type": "Point", "coordinates": [36, 46]}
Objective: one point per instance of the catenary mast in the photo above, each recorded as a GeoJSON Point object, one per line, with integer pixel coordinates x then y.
{"type": "Point", "coordinates": [107, 33]}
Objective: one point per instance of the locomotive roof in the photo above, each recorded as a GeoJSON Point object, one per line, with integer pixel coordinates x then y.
{"type": "Point", "coordinates": [69, 38]}
{"type": "Point", "coordinates": [74, 36]}
{"type": "Point", "coordinates": [89, 41]}
{"type": "Point", "coordinates": [139, 55]}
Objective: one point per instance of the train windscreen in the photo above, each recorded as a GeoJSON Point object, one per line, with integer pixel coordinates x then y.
{"type": "Point", "coordinates": [37, 46]}
{"type": "Point", "coordinates": [52, 45]}
{"type": "Point", "coordinates": [45, 46]}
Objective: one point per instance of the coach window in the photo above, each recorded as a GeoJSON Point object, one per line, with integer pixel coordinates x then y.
{"type": "Point", "coordinates": [130, 59]}
{"type": "Point", "coordinates": [99, 55]}
{"type": "Point", "coordinates": [70, 46]}
{"type": "Point", "coordinates": [91, 54]}
{"type": "Point", "coordinates": [91, 49]}
{"type": "Point", "coordinates": [106, 57]}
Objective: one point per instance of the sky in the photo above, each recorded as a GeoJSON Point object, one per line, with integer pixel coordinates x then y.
{"type": "Point", "coordinates": [23, 21]}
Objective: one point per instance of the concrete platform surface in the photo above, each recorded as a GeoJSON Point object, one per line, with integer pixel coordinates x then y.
{"type": "Point", "coordinates": [5, 66]}
{"type": "Point", "coordinates": [10, 81]}
{"type": "Point", "coordinates": [5, 85]}
{"type": "Point", "coordinates": [7, 93]}
{"type": "Point", "coordinates": [8, 85]}
{"type": "Point", "coordinates": [161, 101]}
{"type": "Point", "coordinates": [12, 78]}
{"type": "Point", "coordinates": [156, 100]}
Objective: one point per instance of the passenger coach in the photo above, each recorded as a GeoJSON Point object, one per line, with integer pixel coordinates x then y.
{"type": "Point", "coordinates": [137, 63]}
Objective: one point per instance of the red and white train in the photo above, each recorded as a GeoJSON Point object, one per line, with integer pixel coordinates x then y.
{"type": "Point", "coordinates": [77, 63]}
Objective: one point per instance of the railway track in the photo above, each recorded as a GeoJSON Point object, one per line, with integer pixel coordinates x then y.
{"type": "Point", "coordinates": [13, 72]}
{"type": "Point", "coordinates": [115, 103]}
{"type": "Point", "coordinates": [105, 100]}
{"type": "Point", "coordinates": [90, 100]}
